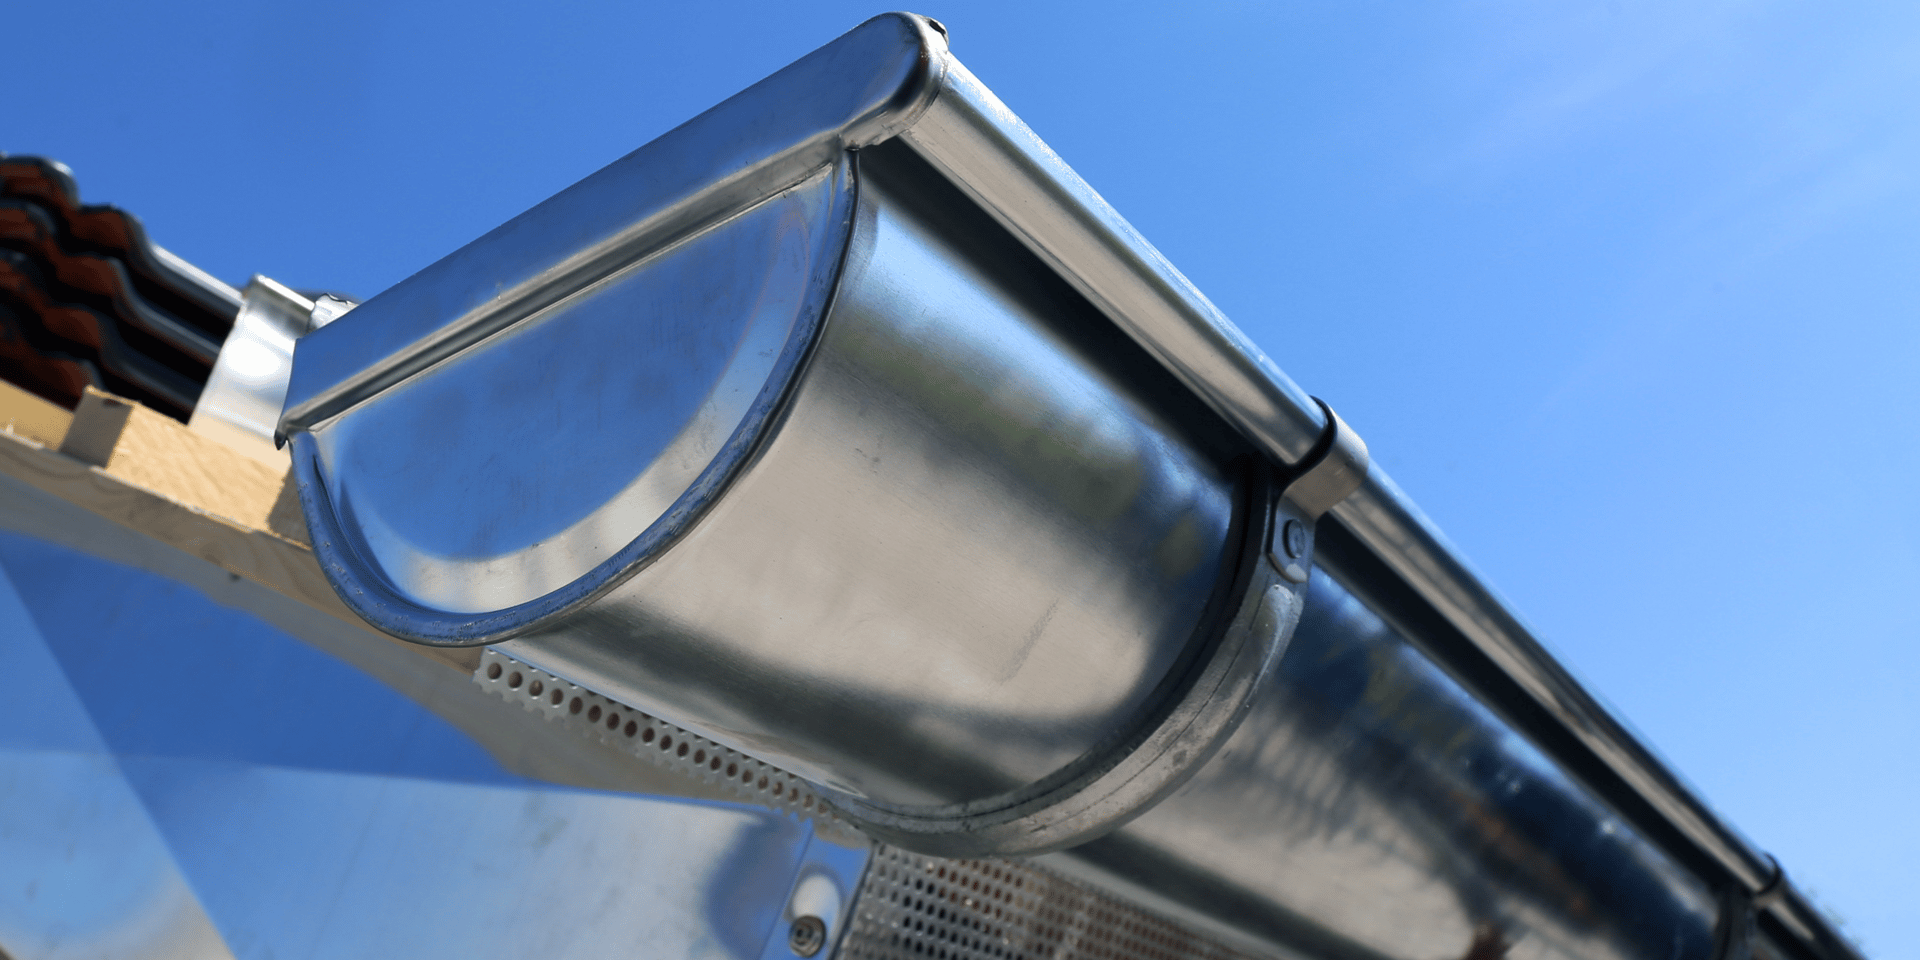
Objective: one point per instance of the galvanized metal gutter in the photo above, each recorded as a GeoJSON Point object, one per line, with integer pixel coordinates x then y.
{"type": "Point", "coordinates": [976, 140]}
{"type": "Point", "coordinates": [806, 120]}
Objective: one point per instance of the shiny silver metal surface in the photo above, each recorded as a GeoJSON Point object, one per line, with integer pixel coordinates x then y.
{"type": "Point", "coordinates": [977, 142]}
{"type": "Point", "coordinates": [907, 904]}
{"type": "Point", "coordinates": [84, 874]}
{"type": "Point", "coordinates": [324, 864]}
{"type": "Point", "coordinates": [1370, 807]}
{"type": "Point", "coordinates": [240, 404]}
{"type": "Point", "coordinates": [889, 580]}
{"type": "Point", "coordinates": [1380, 516]}
{"type": "Point", "coordinates": [1029, 604]}
{"type": "Point", "coordinates": [326, 309]}
{"type": "Point", "coordinates": [990, 512]}
{"type": "Point", "coordinates": [1334, 469]}
{"type": "Point", "coordinates": [179, 781]}
{"type": "Point", "coordinates": [980, 144]}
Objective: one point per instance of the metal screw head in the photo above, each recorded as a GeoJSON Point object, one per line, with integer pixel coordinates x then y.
{"type": "Point", "coordinates": [807, 935]}
{"type": "Point", "coordinates": [1293, 539]}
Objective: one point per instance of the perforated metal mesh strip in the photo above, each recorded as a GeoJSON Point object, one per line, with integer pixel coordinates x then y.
{"type": "Point", "coordinates": [909, 907]}
{"type": "Point", "coordinates": [912, 907]}
{"type": "Point", "coordinates": [655, 740]}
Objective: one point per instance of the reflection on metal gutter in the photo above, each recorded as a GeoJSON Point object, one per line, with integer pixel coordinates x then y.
{"type": "Point", "coordinates": [241, 402]}
{"type": "Point", "coordinates": [84, 872]}
{"type": "Point", "coordinates": [922, 476]}
{"type": "Point", "coordinates": [1380, 516]}
{"type": "Point", "coordinates": [907, 906]}
{"type": "Point", "coordinates": [981, 144]}
{"type": "Point", "coordinates": [1371, 806]}
{"type": "Point", "coordinates": [286, 820]}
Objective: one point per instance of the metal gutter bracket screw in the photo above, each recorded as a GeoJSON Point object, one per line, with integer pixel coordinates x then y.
{"type": "Point", "coordinates": [807, 935]}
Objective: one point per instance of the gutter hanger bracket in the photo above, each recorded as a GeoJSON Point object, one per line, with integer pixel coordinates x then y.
{"type": "Point", "coordinates": [1332, 470]}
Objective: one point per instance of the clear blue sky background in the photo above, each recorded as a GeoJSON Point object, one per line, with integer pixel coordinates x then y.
{"type": "Point", "coordinates": [1626, 295]}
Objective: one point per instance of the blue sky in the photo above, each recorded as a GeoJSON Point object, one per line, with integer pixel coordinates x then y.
{"type": "Point", "coordinates": [1626, 295]}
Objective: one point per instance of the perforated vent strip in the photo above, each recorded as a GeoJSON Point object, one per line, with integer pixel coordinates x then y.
{"type": "Point", "coordinates": [909, 907]}
{"type": "Point", "coordinates": [912, 907]}
{"type": "Point", "coordinates": [654, 740]}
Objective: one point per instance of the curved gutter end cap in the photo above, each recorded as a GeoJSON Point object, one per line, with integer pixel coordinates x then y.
{"type": "Point", "coordinates": [861, 89]}
{"type": "Point", "coordinates": [513, 479]}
